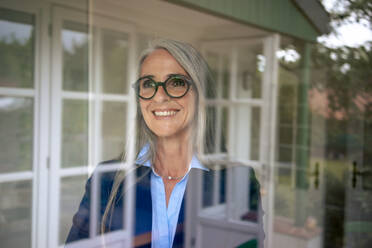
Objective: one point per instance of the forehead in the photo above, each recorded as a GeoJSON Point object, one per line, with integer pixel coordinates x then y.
{"type": "Point", "coordinates": [160, 63]}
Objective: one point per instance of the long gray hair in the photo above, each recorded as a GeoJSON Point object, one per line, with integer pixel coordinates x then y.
{"type": "Point", "coordinates": [196, 67]}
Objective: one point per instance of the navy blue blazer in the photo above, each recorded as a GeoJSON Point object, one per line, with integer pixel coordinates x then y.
{"type": "Point", "coordinates": [143, 207]}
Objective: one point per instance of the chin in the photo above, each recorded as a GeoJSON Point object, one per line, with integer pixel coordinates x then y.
{"type": "Point", "coordinates": [163, 134]}
{"type": "Point", "coordinates": [167, 132]}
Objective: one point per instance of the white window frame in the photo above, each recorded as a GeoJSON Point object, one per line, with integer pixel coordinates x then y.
{"type": "Point", "coordinates": [39, 94]}
{"type": "Point", "coordinates": [95, 99]}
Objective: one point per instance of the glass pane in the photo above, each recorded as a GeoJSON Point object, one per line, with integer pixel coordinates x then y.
{"type": "Point", "coordinates": [247, 132]}
{"type": "Point", "coordinates": [222, 184]}
{"type": "Point", "coordinates": [208, 192]}
{"type": "Point", "coordinates": [285, 153]}
{"type": "Point", "coordinates": [251, 65]}
{"type": "Point", "coordinates": [212, 60]}
{"type": "Point", "coordinates": [15, 213]}
{"type": "Point", "coordinates": [113, 129]}
{"type": "Point", "coordinates": [104, 180]}
{"type": "Point", "coordinates": [224, 129]}
{"type": "Point", "coordinates": [16, 49]}
{"type": "Point", "coordinates": [255, 131]}
{"type": "Point", "coordinates": [75, 56]}
{"type": "Point", "coordinates": [286, 135]}
{"type": "Point", "coordinates": [245, 199]}
{"type": "Point", "coordinates": [210, 134]}
{"type": "Point", "coordinates": [72, 191]}
{"type": "Point", "coordinates": [115, 62]}
{"type": "Point", "coordinates": [367, 156]}
{"type": "Point", "coordinates": [307, 219]}
{"type": "Point", "coordinates": [299, 193]}
{"type": "Point", "coordinates": [74, 133]}
{"type": "Point", "coordinates": [287, 102]}
{"type": "Point", "coordinates": [225, 77]}
{"type": "Point", "coordinates": [287, 113]}
{"type": "Point", "coordinates": [16, 133]}
{"type": "Point", "coordinates": [220, 70]}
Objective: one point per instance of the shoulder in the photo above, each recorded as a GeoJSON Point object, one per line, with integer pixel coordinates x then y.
{"type": "Point", "coordinates": [106, 178]}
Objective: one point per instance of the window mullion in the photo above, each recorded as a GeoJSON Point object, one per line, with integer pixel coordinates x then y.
{"type": "Point", "coordinates": [95, 108]}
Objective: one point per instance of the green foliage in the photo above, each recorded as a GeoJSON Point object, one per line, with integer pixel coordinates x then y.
{"type": "Point", "coordinates": [348, 10]}
{"type": "Point", "coordinates": [16, 61]}
{"type": "Point", "coordinates": [75, 67]}
{"type": "Point", "coordinates": [345, 74]}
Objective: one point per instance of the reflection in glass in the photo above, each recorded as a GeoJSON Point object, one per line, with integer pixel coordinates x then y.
{"type": "Point", "coordinates": [251, 64]}
{"type": "Point", "coordinates": [210, 134]}
{"type": "Point", "coordinates": [214, 191]}
{"type": "Point", "coordinates": [208, 185]}
{"type": "Point", "coordinates": [247, 131]}
{"type": "Point", "coordinates": [245, 199]}
{"type": "Point", "coordinates": [143, 40]}
{"type": "Point", "coordinates": [299, 202]}
{"type": "Point", "coordinates": [222, 185]}
{"type": "Point", "coordinates": [287, 114]}
{"type": "Point", "coordinates": [74, 133]}
{"type": "Point", "coordinates": [104, 180]}
{"type": "Point", "coordinates": [224, 129]}
{"type": "Point", "coordinates": [220, 70]}
{"type": "Point", "coordinates": [255, 133]}
{"type": "Point", "coordinates": [225, 77]}
{"type": "Point", "coordinates": [72, 191]}
{"type": "Point", "coordinates": [75, 56]}
{"type": "Point", "coordinates": [212, 60]}
{"type": "Point", "coordinates": [113, 129]}
{"type": "Point", "coordinates": [115, 62]}
{"type": "Point", "coordinates": [15, 214]}
{"type": "Point", "coordinates": [284, 196]}
{"type": "Point", "coordinates": [16, 49]}
{"type": "Point", "coordinates": [16, 134]}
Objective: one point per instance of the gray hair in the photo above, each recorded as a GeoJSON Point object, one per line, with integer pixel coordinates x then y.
{"type": "Point", "coordinates": [196, 67]}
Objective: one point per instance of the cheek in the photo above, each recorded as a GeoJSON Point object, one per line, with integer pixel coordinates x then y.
{"type": "Point", "coordinates": [143, 107]}
{"type": "Point", "coordinates": [191, 108]}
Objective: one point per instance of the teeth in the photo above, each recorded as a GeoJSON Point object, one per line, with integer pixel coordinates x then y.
{"type": "Point", "coordinates": [165, 113]}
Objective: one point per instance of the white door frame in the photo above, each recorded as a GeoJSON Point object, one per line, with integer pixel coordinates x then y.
{"type": "Point", "coordinates": [265, 165]}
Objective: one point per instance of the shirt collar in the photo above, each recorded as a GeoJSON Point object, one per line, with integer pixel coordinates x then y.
{"type": "Point", "coordinates": [142, 160]}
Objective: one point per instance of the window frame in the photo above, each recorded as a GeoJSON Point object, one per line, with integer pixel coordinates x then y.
{"type": "Point", "coordinates": [95, 98]}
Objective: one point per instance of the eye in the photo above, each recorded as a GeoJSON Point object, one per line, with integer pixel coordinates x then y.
{"type": "Point", "coordinates": [177, 82]}
{"type": "Point", "coordinates": [147, 83]}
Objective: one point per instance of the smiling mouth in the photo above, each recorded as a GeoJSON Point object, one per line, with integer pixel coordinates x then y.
{"type": "Point", "coordinates": [166, 113]}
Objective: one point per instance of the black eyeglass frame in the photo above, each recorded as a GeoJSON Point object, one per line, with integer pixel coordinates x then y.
{"type": "Point", "coordinates": [136, 85]}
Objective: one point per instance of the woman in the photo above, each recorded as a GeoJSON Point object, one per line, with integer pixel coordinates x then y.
{"type": "Point", "coordinates": [170, 121]}
{"type": "Point", "coordinates": [171, 108]}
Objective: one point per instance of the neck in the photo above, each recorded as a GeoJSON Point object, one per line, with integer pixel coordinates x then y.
{"type": "Point", "coordinates": [173, 156]}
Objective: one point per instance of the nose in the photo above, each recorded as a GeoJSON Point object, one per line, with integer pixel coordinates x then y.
{"type": "Point", "coordinates": [160, 95]}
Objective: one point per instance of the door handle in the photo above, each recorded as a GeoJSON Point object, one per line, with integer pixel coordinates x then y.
{"type": "Point", "coordinates": [315, 174]}
{"type": "Point", "coordinates": [356, 173]}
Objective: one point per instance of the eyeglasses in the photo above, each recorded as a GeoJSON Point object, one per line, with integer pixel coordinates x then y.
{"type": "Point", "coordinates": [175, 86]}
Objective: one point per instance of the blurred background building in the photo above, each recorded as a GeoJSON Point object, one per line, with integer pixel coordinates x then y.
{"type": "Point", "coordinates": [66, 104]}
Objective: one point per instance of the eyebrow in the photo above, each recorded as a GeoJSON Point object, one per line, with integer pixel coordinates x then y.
{"type": "Point", "coordinates": [168, 76]}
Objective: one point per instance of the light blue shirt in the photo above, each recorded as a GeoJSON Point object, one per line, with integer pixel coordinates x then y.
{"type": "Point", "coordinates": [164, 220]}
